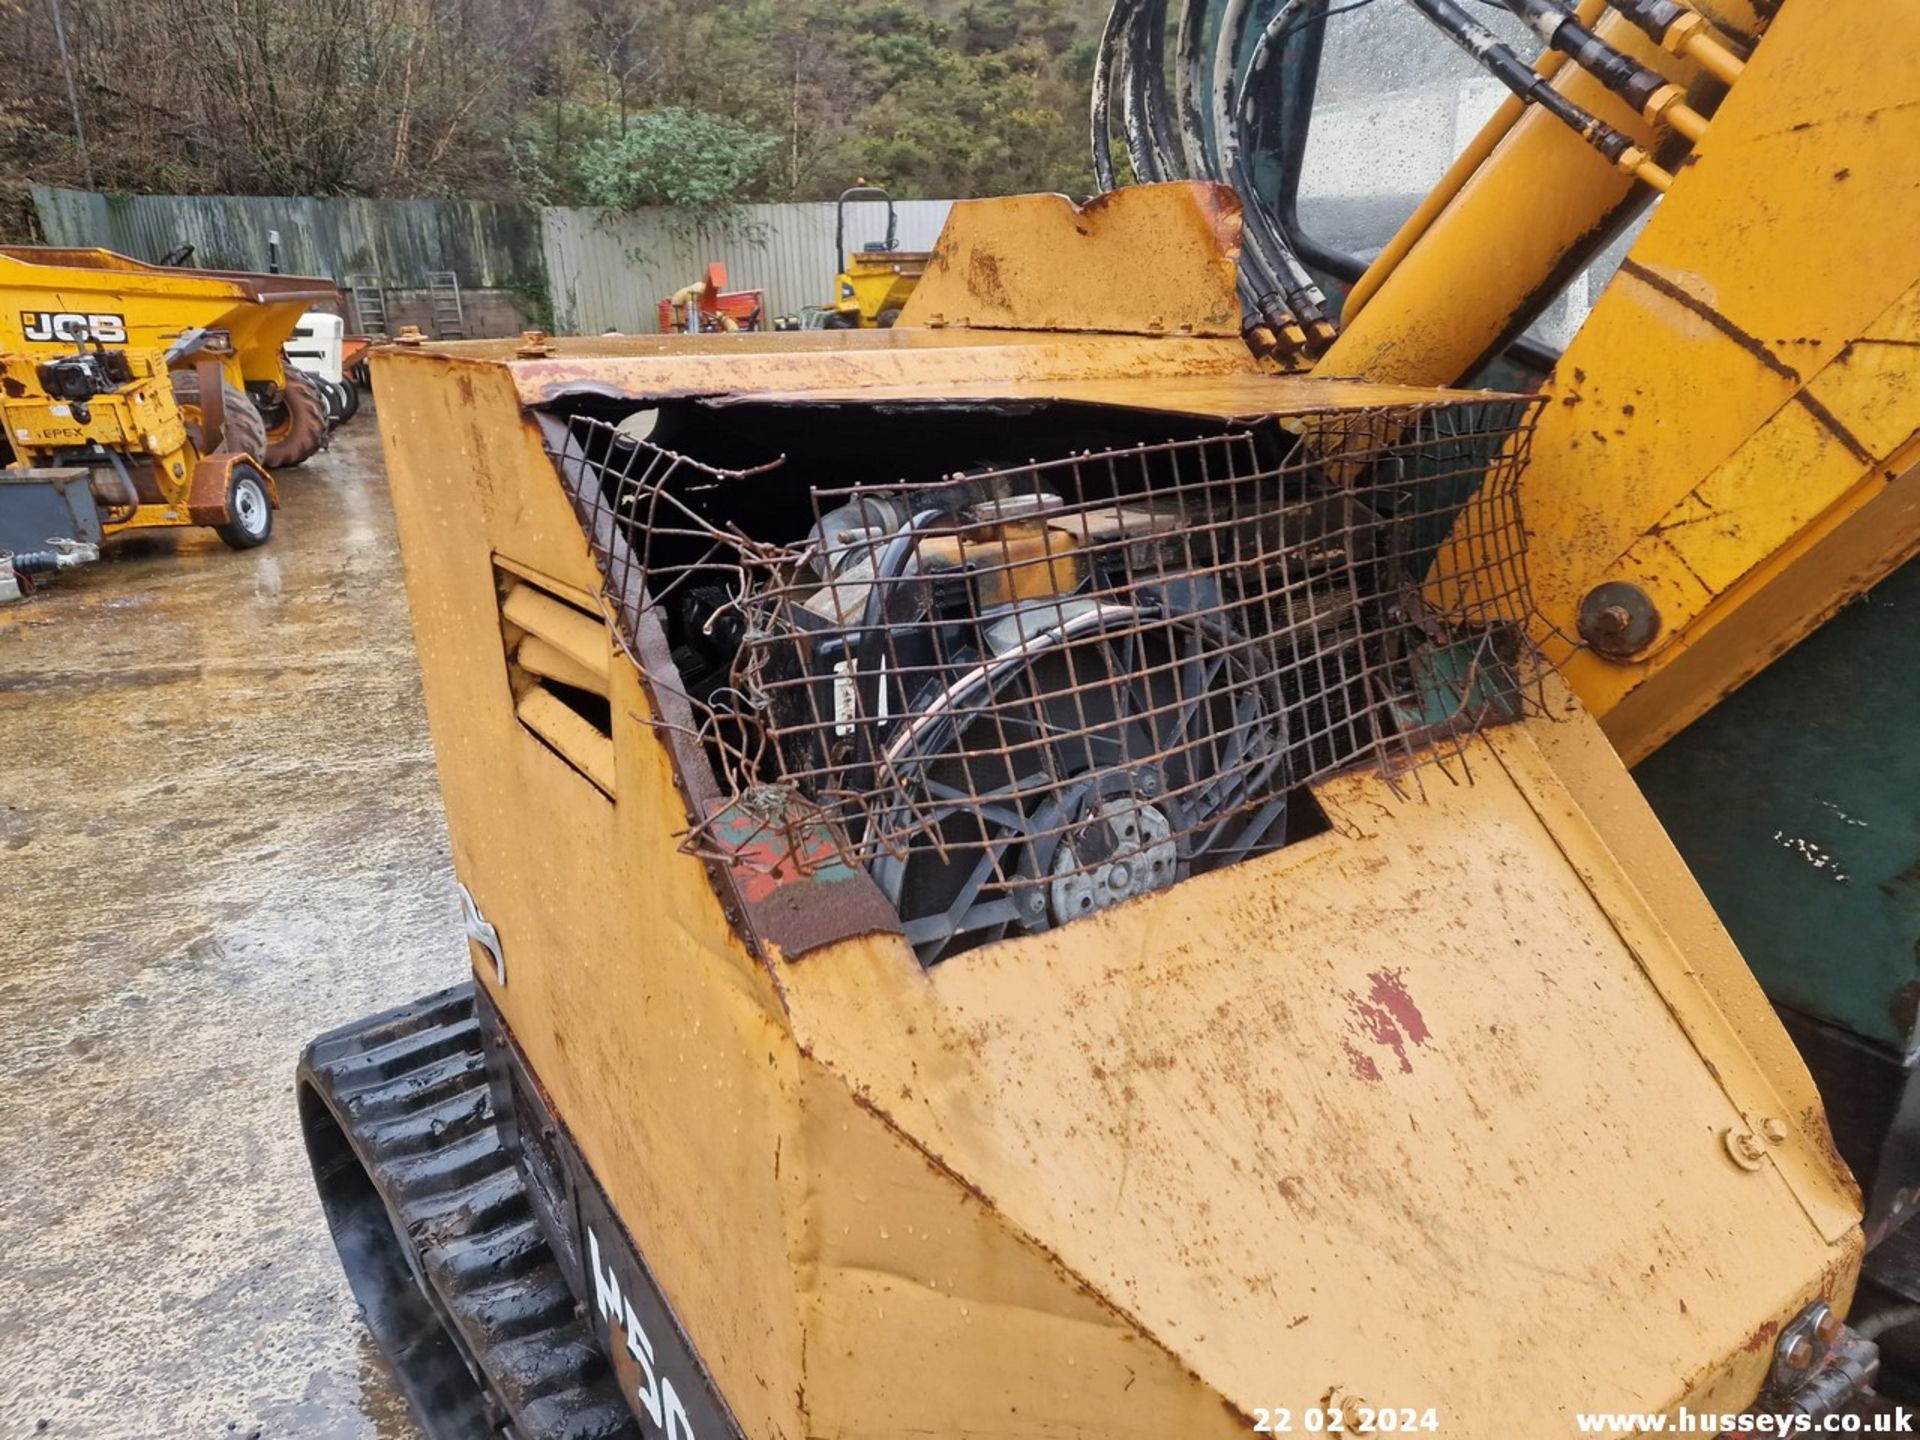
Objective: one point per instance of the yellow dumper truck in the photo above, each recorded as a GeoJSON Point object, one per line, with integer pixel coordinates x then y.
{"type": "Point", "coordinates": [135, 396]}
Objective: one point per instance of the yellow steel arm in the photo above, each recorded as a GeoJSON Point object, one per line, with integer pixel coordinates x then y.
{"type": "Point", "coordinates": [1515, 227]}
{"type": "Point", "coordinates": [1727, 459]}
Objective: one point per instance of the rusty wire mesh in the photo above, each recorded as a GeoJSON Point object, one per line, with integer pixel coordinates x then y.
{"type": "Point", "coordinates": [1021, 695]}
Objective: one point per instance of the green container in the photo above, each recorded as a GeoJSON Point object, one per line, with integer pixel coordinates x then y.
{"type": "Point", "coordinates": [1797, 803]}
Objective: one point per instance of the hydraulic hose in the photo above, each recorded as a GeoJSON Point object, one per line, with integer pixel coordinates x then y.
{"type": "Point", "coordinates": [1646, 90]}
{"type": "Point", "coordinates": [1237, 126]}
{"type": "Point", "coordinates": [1170, 137]}
{"type": "Point", "coordinates": [1143, 107]}
{"type": "Point", "coordinates": [1201, 116]}
{"type": "Point", "coordinates": [1464, 166]}
{"type": "Point", "coordinates": [1683, 32]}
{"type": "Point", "coordinates": [1263, 288]}
{"type": "Point", "coordinates": [1266, 237]}
{"type": "Point", "coordinates": [1285, 293]}
{"type": "Point", "coordinates": [1493, 56]}
{"type": "Point", "coordinates": [1191, 59]}
{"type": "Point", "coordinates": [1104, 61]}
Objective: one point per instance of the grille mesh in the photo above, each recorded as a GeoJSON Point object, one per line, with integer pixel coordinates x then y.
{"type": "Point", "coordinates": [1021, 695]}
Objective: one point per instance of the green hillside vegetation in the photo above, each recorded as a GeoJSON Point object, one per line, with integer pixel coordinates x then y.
{"type": "Point", "coordinates": [618, 102]}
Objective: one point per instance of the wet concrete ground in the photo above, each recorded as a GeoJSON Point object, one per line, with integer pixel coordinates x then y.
{"type": "Point", "coordinates": [220, 834]}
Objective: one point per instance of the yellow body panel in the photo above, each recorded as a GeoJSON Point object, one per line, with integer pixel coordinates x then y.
{"type": "Point", "coordinates": [1150, 259]}
{"type": "Point", "coordinates": [141, 419]}
{"type": "Point", "coordinates": [1150, 1173]}
{"type": "Point", "coordinates": [1235, 1154]}
{"type": "Point", "coordinates": [907, 355]}
{"type": "Point", "coordinates": [140, 422]}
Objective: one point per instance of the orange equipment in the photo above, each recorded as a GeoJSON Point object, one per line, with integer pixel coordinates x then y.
{"type": "Point", "coordinates": [708, 305]}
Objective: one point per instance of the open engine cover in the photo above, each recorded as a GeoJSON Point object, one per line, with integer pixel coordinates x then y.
{"type": "Point", "coordinates": [1347, 1033]}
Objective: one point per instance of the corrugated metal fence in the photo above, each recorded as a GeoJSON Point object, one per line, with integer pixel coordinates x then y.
{"type": "Point", "coordinates": [603, 269]}
{"type": "Point", "coordinates": [490, 246]}
{"type": "Point", "coordinates": [608, 271]}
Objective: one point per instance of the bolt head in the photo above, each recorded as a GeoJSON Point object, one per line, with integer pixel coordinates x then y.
{"type": "Point", "coordinates": [1749, 1145]}
{"type": "Point", "coordinates": [1618, 619]}
{"type": "Point", "coordinates": [1798, 1353]}
{"type": "Point", "coordinates": [1774, 1128]}
{"type": "Point", "coordinates": [1828, 1328]}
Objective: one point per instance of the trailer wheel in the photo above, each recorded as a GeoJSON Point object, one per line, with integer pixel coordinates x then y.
{"type": "Point", "coordinates": [336, 398]}
{"type": "Point", "coordinates": [249, 509]}
{"type": "Point", "coordinates": [246, 432]}
{"type": "Point", "coordinates": [296, 424]}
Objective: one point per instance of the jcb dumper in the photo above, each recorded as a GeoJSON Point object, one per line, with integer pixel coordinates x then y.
{"type": "Point", "coordinates": [1024, 879]}
{"type": "Point", "coordinates": [51, 297]}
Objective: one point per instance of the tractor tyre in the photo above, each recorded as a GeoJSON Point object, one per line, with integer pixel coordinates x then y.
{"type": "Point", "coordinates": [350, 392]}
{"type": "Point", "coordinates": [297, 426]}
{"type": "Point", "coordinates": [249, 509]}
{"type": "Point", "coordinates": [841, 320]}
{"type": "Point", "coordinates": [246, 432]}
{"type": "Point", "coordinates": [888, 317]}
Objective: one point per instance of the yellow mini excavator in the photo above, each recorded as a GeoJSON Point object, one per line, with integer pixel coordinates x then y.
{"type": "Point", "coordinates": [1103, 908]}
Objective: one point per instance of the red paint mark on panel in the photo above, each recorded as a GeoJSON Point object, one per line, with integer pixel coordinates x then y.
{"type": "Point", "coordinates": [1363, 1065]}
{"type": "Point", "coordinates": [1391, 991]}
{"type": "Point", "coordinates": [1387, 1016]}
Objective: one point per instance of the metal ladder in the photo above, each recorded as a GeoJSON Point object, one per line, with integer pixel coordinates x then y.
{"type": "Point", "coordinates": [369, 304]}
{"type": "Point", "coordinates": [443, 294]}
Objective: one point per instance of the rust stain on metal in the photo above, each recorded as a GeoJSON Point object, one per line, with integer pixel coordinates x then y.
{"type": "Point", "coordinates": [1814, 407]}
{"type": "Point", "coordinates": [1390, 990]}
{"type": "Point", "coordinates": [1754, 346]}
{"type": "Point", "coordinates": [983, 274]}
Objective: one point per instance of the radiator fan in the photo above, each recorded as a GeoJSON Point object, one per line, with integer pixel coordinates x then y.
{"type": "Point", "coordinates": [1092, 753]}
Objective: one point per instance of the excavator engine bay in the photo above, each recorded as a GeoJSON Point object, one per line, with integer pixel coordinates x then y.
{"type": "Point", "coordinates": [1016, 692]}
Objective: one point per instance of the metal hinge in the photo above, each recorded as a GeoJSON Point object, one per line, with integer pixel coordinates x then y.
{"type": "Point", "coordinates": [1820, 1368]}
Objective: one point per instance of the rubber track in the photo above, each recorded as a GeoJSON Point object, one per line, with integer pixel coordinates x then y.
{"type": "Point", "coordinates": [409, 1090]}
